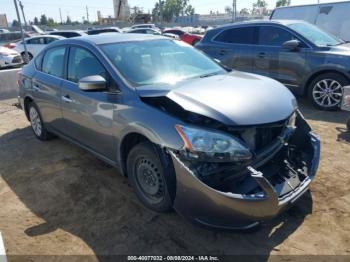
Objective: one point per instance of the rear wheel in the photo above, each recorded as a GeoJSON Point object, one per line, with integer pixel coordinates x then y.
{"type": "Point", "coordinates": [326, 91]}
{"type": "Point", "coordinates": [150, 177]}
{"type": "Point", "coordinates": [37, 123]}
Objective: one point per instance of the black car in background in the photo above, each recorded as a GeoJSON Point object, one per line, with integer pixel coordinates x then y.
{"type": "Point", "coordinates": [300, 55]}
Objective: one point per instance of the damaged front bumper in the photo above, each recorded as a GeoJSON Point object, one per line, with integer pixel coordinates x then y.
{"type": "Point", "coordinates": [274, 189]}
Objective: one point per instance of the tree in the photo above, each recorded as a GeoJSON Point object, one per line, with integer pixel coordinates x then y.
{"type": "Point", "coordinates": [173, 8]}
{"type": "Point", "coordinates": [15, 23]}
{"type": "Point", "coordinates": [43, 20]}
{"type": "Point", "coordinates": [280, 3]}
{"type": "Point", "coordinates": [36, 21]}
{"type": "Point", "coordinates": [260, 8]}
{"type": "Point", "coordinates": [244, 12]}
{"type": "Point", "coordinates": [228, 10]}
{"type": "Point", "coordinates": [69, 20]}
{"type": "Point", "coordinates": [51, 22]}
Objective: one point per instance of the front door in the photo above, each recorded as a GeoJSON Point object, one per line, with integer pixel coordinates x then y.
{"type": "Point", "coordinates": [272, 60]}
{"type": "Point", "coordinates": [88, 115]}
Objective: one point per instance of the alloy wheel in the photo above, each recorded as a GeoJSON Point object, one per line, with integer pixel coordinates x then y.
{"type": "Point", "coordinates": [327, 93]}
{"type": "Point", "coordinates": [35, 121]}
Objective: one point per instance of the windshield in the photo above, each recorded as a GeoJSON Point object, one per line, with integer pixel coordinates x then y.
{"type": "Point", "coordinates": [159, 61]}
{"type": "Point", "coordinates": [315, 35]}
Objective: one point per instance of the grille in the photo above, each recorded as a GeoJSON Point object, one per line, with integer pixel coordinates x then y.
{"type": "Point", "coordinates": [17, 59]}
{"type": "Point", "coordinates": [259, 137]}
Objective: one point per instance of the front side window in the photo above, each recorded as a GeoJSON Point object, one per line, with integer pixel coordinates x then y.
{"type": "Point", "coordinates": [159, 61]}
{"type": "Point", "coordinates": [315, 35]}
{"type": "Point", "coordinates": [273, 36]}
{"type": "Point", "coordinates": [49, 40]}
{"type": "Point", "coordinates": [82, 63]}
{"type": "Point", "coordinates": [53, 62]}
{"type": "Point", "coordinates": [243, 35]}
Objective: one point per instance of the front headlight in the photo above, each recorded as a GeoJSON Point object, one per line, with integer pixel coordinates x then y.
{"type": "Point", "coordinates": [212, 146]}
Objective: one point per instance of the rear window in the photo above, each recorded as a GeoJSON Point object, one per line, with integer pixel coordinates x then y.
{"type": "Point", "coordinates": [242, 35]}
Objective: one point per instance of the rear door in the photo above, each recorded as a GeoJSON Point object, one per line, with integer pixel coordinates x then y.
{"type": "Point", "coordinates": [46, 85]}
{"type": "Point", "coordinates": [272, 60]}
{"type": "Point", "coordinates": [234, 47]}
{"type": "Point", "coordinates": [88, 116]}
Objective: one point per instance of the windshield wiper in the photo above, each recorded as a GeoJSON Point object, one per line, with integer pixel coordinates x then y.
{"type": "Point", "coordinates": [208, 75]}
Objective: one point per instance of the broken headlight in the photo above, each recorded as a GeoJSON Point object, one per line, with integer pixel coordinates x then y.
{"type": "Point", "coordinates": [205, 145]}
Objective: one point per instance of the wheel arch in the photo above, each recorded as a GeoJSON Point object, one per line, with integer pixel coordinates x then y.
{"type": "Point", "coordinates": [27, 100]}
{"type": "Point", "coordinates": [127, 143]}
{"type": "Point", "coordinates": [316, 74]}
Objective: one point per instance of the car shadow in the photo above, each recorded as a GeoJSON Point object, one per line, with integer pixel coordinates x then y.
{"type": "Point", "coordinates": [337, 117]}
{"type": "Point", "coordinates": [73, 191]}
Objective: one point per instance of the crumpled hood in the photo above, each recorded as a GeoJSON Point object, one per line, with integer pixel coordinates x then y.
{"type": "Point", "coordinates": [233, 99]}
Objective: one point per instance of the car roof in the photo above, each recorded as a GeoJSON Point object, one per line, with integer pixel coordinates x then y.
{"type": "Point", "coordinates": [40, 36]}
{"type": "Point", "coordinates": [68, 31]}
{"type": "Point", "coordinates": [109, 38]}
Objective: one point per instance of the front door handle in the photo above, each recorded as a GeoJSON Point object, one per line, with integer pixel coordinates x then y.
{"type": "Point", "coordinates": [35, 87]}
{"type": "Point", "coordinates": [67, 99]}
{"type": "Point", "coordinates": [262, 55]}
{"type": "Point", "coordinates": [222, 52]}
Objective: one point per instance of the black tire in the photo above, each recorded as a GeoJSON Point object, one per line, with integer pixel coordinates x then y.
{"type": "Point", "coordinates": [348, 124]}
{"type": "Point", "coordinates": [37, 123]}
{"type": "Point", "coordinates": [317, 93]}
{"type": "Point", "coordinates": [152, 176]}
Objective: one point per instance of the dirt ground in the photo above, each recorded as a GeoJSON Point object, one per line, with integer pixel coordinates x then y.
{"type": "Point", "coordinates": [57, 199]}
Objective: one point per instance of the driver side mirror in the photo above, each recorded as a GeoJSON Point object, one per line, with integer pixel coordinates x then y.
{"type": "Point", "coordinates": [291, 45]}
{"type": "Point", "coordinates": [93, 83]}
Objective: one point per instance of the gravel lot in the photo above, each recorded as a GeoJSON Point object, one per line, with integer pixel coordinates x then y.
{"type": "Point", "coordinates": [57, 199]}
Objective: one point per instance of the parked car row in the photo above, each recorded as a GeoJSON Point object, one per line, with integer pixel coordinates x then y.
{"type": "Point", "coordinates": [225, 149]}
{"type": "Point", "coordinates": [303, 57]}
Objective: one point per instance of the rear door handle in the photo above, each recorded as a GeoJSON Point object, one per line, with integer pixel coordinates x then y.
{"type": "Point", "coordinates": [35, 87]}
{"type": "Point", "coordinates": [67, 99]}
{"type": "Point", "coordinates": [222, 52]}
{"type": "Point", "coordinates": [262, 55]}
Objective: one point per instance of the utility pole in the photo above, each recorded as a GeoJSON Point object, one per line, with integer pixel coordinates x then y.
{"type": "Point", "coordinates": [161, 13]}
{"type": "Point", "coordinates": [61, 16]}
{"type": "Point", "coordinates": [87, 14]}
{"type": "Point", "coordinates": [26, 57]}
{"type": "Point", "coordinates": [24, 17]}
{"type": "Point", "coordinates": [234, 10]}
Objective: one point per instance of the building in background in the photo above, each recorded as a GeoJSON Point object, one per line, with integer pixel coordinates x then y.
{"type": "Point", "coordinates": [3, 21]}
{"type": "Point", "coordinates": [121, 10]}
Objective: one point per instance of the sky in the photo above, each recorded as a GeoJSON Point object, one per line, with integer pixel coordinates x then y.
{"type": "Point", "coordinates": [76, 9]}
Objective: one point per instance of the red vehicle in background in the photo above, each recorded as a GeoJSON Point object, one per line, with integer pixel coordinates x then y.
{"type": "Point", "coordinates": [191, 39]}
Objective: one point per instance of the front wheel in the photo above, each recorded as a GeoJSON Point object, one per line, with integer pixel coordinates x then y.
{"type": "Point", "coordinates": [326, 91]}
{"type": "Point", "coordinates": [150, 177]}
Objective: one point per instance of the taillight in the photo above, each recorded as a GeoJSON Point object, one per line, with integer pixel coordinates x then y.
{"type": "Point", "coordinates": [11, 45]}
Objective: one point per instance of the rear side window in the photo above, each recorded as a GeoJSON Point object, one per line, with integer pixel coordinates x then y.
{"type": "Point", "coordinates": [82, 63]}
{"type": "Point", "coordinates": [273, 36]}
{"type": "Point", "coordinates": [36, 41]}
{"type": "Point", "coordinates": [53, 62]}
{"type": "Point", "coordinates": [242, 35]}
